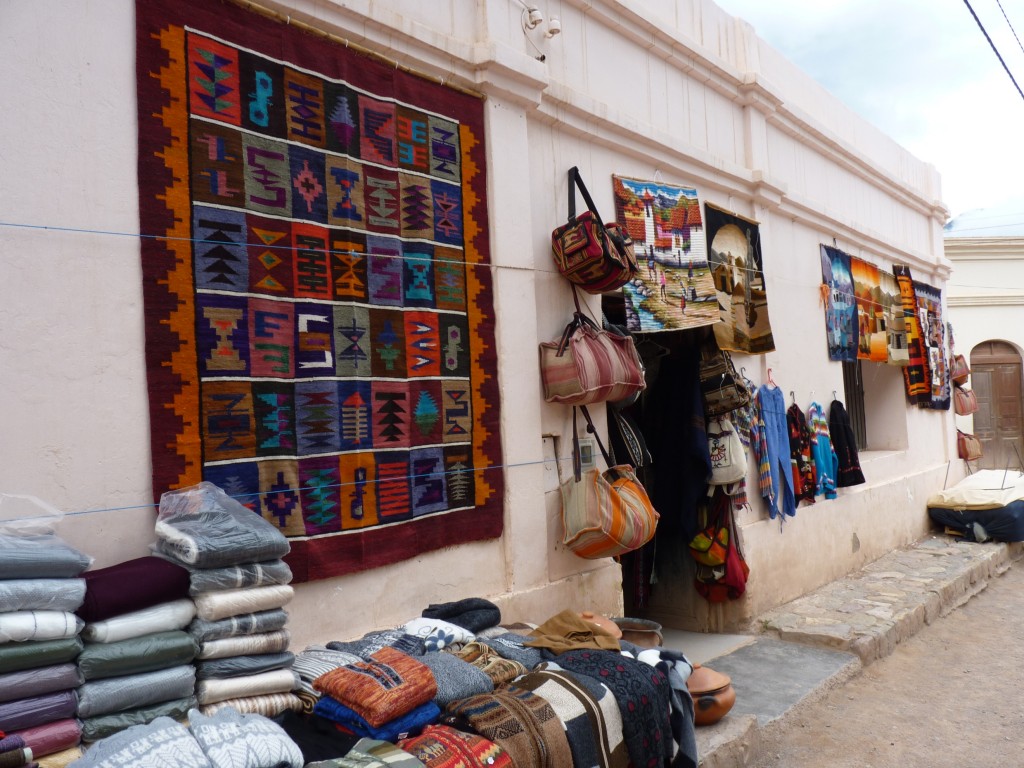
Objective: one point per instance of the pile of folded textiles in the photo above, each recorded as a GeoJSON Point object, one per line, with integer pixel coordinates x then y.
{"type": "Point", "coordinates": [40, 589]}
{"type": "Point", "coordinates": [137, 661]}
{"type": "Point", "coordinates": [239, 585]}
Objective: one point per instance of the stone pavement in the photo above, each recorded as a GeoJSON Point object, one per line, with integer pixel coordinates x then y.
{"type": "Point", "coordinates": [808, 646]}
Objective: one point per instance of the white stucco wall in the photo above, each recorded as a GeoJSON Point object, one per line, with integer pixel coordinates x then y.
{"type": "Point", "coordinates": [633, 87]}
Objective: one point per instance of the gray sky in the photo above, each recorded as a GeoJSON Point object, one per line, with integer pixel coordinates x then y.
{"type": "Point", "coordinates": [922, 71]}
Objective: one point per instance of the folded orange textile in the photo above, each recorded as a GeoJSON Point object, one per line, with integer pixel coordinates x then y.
{"type": "Point", "coordinates": [390, 684]}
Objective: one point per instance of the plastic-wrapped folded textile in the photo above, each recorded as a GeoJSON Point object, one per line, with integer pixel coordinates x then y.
{"type": "Point", "coordinates": [115, 694]}
{"type": "Point", "coordinates": [42, 594]}
{"type": "Point", "coordinates": [159, 618]}
{"type": "Point", "coordinates": [22, 626]}
{"type": "Point", "coordinates": [39, 557]}
{"type": "Point", "coordinates": [36, 682]}
{"type": "Point", "coordinates": [136, 655]}
{"type": "Point", "coordinates": [238, 666]}
{"type": "Point", "coordinates": [268, 642]}
{"type": "Point", "coordinates": [132, 586]}
{"type": "Point", "coordinates": [37, 710]}
{"type": "Point", "coordinates": [96, 728]}
{"type": "Point", "coordinates": [161, 742]}
{"type": "Point", "coordinates": [232, 602]}
{"type": "Point", "coordinates": [268, 705]}
{"type": "Point", "coordinates": [203, 527]}
{"type": "Point", "coordinates": [15, 657]}
{"type": "Point", "coordinates": [276, 681]}
{"type": "Point", "coordinates": [233, 740]}
{"type": "Point", "coordinates": [52, 737]}
{"type": "Point", "coordinates": [15, 758]}
{"type": "Point", "coordinates": [60, 759]}
{"type": "Point", "coordinates": [237, 576]}
{"type": "Point", "coordinates": [234, 626]}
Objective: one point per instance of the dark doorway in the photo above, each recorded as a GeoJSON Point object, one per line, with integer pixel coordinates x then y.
{"type": "Point", "coordinates": [999, 421]}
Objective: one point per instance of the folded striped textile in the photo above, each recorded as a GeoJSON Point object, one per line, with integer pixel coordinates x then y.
{"type": "Point", "coordinates": [35, 682]}
{"type": "Point", "coordinates": [267, 642]}
{"type": "Point", "coordinates": [241, 624]}
{"type": "Point", "coordinates": [148, 653]}
{"type": "Point", "coordinates": [392, 730]}
{"type": "Point", "coordinates": [491, 663]}
{"type": "Point", "coordinates": [237, 666]}
{"type": "Point", "coordinates": [116, 694]}
{"type": "Point", "coordinates": [373, 753]}
{"type": "Point", "coordinates": [22, 626]}
{"type": "Point", "coordinates": [42, 594]}
{"type": "Point", "coordinates": [132, 586]}
{"type": "Point", "coordinates": [50, 738]}
{"type": "Point", "coordinates": [318, 660]}
{"type": "Point", "coordinates": [276, 681]}
{"type": "Point", "coordinates": [37, 710]}
{"type": "Point", "coordinates": [96, 728]}
{"type": "Point", "coordinates": [44, 556]}
{"type": "Point", "coordinates": [388, 684]}
{"type": "Point", "coordinates": [268, 705]}
{"type": "Point", "coordinates": [159, 618]}
{"type": "Point", "coordinates": [520, 722]}
{"type": "Point", "coordinates": [15, 657]}
{"type": "Point", "coordinates": [237, 576]}
{"type": "Point", "coordinates": [232, 602]}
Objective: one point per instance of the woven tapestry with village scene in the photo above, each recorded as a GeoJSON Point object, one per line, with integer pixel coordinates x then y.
{"type": "Point", "coordinates": [673, 288]}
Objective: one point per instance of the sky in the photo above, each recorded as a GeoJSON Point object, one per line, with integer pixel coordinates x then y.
{"type": "Point", "coordinates": [923, 72]}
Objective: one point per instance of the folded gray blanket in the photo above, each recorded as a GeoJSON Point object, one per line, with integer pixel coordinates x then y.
{"type": "Point", "coordinates": [39, 557]}
{"type": "Point", "coordinates": [233, 626]}
{"type": "Point", "coordinates": [162, 742]}
{"type": "Point", "coordinates": [116, 694]}
{"type": "Point", "coordinates": [234, 740]}
{"type": "Point", "coordinates": [239, 666]}
{"type": "Point", "coordinates": [238, 576]}
{"type": "Point", "coordinates": [42, 594]}
{"type": "Point", "coordinates": [202, 527]}
{"type": "Point", "coordinates": [96, 728]}
{"type": "Point", "coordinates": [136, 655]}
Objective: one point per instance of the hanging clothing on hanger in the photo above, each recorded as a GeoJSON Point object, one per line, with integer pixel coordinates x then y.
{"type": "Point", "coordinates": [845, 443]}
{"type": "Point", "coordinates": [804, 480]}
{"type": "Point", "coordinates": [826, 464]}
{"type": "Point", "coordinates": [773, 409]}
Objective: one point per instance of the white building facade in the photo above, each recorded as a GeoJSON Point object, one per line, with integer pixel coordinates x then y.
{"type": "Point", "coordinates": [676, 91]}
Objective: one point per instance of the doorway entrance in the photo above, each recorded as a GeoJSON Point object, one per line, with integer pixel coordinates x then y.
{"type": "Point", "coordinates": [999, 421]}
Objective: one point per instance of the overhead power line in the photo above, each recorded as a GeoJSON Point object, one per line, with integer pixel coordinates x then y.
{"type": "Point", "coordinates": [996, 50]}
{"type": "Point", "coordinates": [1010, 25]}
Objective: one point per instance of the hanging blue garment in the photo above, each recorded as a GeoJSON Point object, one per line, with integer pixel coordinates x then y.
{"type": "Point", "coordinates": [773, 409]}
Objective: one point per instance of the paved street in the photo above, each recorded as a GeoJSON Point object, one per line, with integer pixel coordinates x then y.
{"type": "Point", "coordinates": [948, 696]}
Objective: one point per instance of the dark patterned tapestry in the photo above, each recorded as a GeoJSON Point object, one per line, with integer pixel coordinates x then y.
{"type": "Point", "coordinates": [318, 301]}
{"type": "Point", "coordinates": [734, 255]}
{"type": "Point", "coordinates": [916, 376]}
{"type": "Point", "coordinates": [840, 304]}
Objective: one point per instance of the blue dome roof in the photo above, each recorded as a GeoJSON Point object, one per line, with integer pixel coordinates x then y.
{"type": "Point", "coordinates": [1003, 220]}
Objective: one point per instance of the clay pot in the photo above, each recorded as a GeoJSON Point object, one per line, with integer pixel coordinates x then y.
{"type": "Point", "coordinates": [642, 632]}
{"type": "Point", "coordinates": [603, 622]}
{"type": "Point", "coordinates": [713, 695]}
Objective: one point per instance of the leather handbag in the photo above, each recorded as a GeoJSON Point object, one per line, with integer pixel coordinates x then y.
{"type": "Point", "coordinates": [722, 388]}
{"type": "Point", "coordinates": [590, 364]}
{"type": "Point", "coordinates": [595, 256]}
{"type": "Point", "coordinates": [968, 447]}
{"type": "Point", "coordinates": [604, 514]}
{"type": "Point", "coordinates": [965, 402]}
{"type": "Point", "coordinates": [959, 370]}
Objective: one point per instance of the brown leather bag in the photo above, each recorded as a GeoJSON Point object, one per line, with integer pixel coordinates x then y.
{"type": "Point", "coordinates": [968, 446]}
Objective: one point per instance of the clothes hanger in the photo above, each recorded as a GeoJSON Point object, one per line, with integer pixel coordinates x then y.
{"type": "Point", "coordinates": [792, 396]}
{"type": "Point", "coordinates": [771, 381]}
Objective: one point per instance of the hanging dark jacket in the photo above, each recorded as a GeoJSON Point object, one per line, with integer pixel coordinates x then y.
{"type": "Point", "coordinates": [845, 443]}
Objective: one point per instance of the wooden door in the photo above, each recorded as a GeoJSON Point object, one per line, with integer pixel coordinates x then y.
{"type": "Point", "coordinates": [999, 423]}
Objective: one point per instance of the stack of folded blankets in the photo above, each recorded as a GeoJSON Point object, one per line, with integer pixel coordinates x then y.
{"type": "Point", "coordinates": [40, 589]}
{"type": "Point", "coordinates": [137, 660]}
{"type": "Point", "coordinates": [239, 584]}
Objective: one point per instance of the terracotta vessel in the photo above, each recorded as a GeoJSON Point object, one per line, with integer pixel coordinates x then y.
{"type": "Point", "coordinates": [642, 632]}
{"type": "Point", "coordinates": [713, 695]}
{"type": "Point", "coordinates": [603, 622]}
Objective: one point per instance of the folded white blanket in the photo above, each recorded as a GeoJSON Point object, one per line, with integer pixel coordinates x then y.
{"type": "Point", "coordinates": [276, 681]}
{"type": "Point", "coordinates": [19, 626]}
{"type": "Point", "coordinates": [160, 618]}
{"type": "Point", "coordinates": [213, 606]}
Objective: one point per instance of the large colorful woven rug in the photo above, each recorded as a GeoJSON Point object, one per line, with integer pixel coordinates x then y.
{"type": "Point", "coordinates": [319, 314]}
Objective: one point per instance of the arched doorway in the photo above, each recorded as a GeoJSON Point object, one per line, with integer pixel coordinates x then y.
{"type": "Point", "coordinates": [999, 421]}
